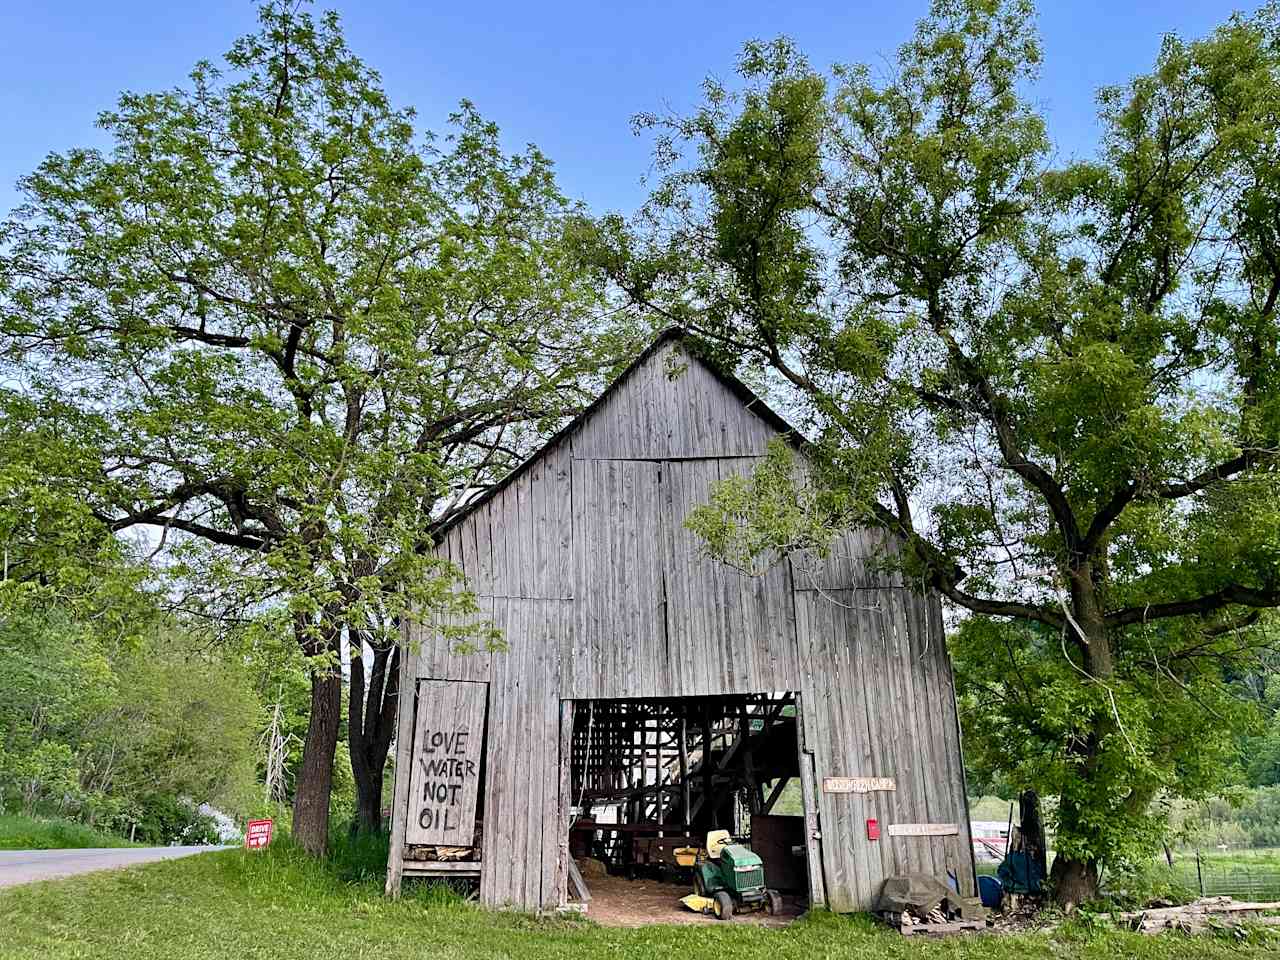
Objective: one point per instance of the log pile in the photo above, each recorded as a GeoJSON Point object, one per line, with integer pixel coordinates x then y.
{"type": "Point", "coordinates": [1207, 913]}
{"type": "Point", "coordinates": [439, 854]}
{"type": "Point", "coordinates": [444, 854]}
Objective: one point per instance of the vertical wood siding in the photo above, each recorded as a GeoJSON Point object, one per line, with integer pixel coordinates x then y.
{"type": "Point", "coordinates": [618, 584]}
{"type": "Point", "coordinates": [729, 632]}
{"type": "Point", "coordinates": [879, 702]}
{"type": "Point", "coordinates": [522, 786]}
{"type": "Point", "coordinates": [671, 408]}
{"type": "Point", "coordinates": [585, 565]}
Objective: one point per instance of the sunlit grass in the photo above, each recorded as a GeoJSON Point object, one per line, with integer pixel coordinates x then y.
{"type": "Point", "coordinates": [280, 905]}
{"type": "Point", "coordinates": [18, 832]}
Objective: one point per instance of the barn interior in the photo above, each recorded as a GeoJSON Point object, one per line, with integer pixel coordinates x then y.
{"type": "Point", "coordinates": [649, 778]}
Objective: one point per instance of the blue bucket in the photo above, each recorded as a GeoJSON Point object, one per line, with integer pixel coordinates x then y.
{"type": "Point", "coordinates": [991, 891]}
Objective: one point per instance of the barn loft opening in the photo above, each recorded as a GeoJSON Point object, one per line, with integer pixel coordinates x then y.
{"type": "Point", "coordinates": [650, 778]}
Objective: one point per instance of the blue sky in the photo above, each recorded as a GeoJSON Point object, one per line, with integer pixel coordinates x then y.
{"type": "Point", "coordinates": [567, 76]}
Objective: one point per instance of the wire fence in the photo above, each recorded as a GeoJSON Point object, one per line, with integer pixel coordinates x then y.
{"type": "Point", "coordinates": [1245, 875]}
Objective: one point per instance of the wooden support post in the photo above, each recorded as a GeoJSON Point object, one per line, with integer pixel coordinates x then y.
{"type": "Point", "coordinates": [564, 863]}
{"type": "Point", "coordinates": [405, 712]}
{"type": "Point", "coordinates": [776, 793]}
{"type": "Point", "coordinates": [684, 769]}
{"type": "Point", "coordinates": [755, 800]}
{"type": "Point", "coordinates": [705, 799]}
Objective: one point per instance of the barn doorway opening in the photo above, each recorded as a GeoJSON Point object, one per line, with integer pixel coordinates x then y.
{"type": "Point", "coordinates": [648, 779]}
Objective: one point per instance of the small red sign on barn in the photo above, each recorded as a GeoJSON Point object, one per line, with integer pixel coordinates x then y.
{"type": "Point", "coordinates": [257, 834]}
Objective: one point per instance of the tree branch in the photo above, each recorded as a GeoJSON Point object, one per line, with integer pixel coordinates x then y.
{"type": "Point", "coordinates": [1208, 603]}
{"type": "Point", "coordinates": [212, 534]}
{"type": "Point", "coordinates": [1223, 471]}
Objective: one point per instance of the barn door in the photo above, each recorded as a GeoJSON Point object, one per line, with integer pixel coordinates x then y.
{"type": "Point", "coordinates": [448, 746]}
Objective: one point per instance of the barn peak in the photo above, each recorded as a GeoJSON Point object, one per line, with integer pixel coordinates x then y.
{"type": "Point", "coordinates": [668, 404]}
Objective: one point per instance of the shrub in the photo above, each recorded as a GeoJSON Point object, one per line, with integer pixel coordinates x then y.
{"type": "Point", "coordinates": [163, 819]}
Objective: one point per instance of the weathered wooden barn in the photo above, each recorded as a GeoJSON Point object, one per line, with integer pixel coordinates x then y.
{"type": "Point", "coordinates": [649, 693]}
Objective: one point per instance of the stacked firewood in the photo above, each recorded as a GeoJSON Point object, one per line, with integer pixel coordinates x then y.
{"type": "Point", "coordinates": [442, 853]}
{"type": "Point", "coordinates": [909, 918]}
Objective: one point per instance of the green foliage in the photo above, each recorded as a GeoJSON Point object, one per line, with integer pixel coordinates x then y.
{"type": "Point", "coordinates": [128, 736]}
{"type": "Point", "coordinates": [1261, 752]}
{"type": "Point", "coordinates": [1243, 819]}
{"type": "Point", "coordinates": [286, 333]}
{"type": "Point", "coordinates": [165, 818]}
{"type": "Point", "coordinates": [754, 519]}
{"type": "Point", "coordinates": [1136, 884]}
{"type": "Point", "coordinates": [57, 687]}
{"type": "Point", "coordinates": [1056, 386]}
{"type": "Point", "coordinates": [1171, 732]}
{"type": "Point", "coordinates": [342, 797]}
{"type": "Point", "coordinates": [54, 552]}
{"type": "Point", "coordinates": [313, 326]}
{"type": "Point", "coordinates": [278, 670]}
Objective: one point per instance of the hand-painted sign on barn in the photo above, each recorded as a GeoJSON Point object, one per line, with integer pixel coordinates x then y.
{"type": "Point", "coordinates": [447, 747]}
{"type": "Point", "coordinates": [858, 784]}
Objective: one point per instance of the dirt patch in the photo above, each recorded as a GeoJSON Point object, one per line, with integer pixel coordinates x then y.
{"type": "Point", "coordinates": [1024, 915]}
{"type": "Point", "coordinates": [618, 902]}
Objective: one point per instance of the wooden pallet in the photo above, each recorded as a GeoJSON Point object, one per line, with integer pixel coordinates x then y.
{"type": "Point", "coordinates": [442, 868]}
{"type": "Point", "coordinates": [942, 929]}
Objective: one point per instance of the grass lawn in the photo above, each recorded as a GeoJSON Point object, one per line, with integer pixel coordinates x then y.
{"type": "Point", "coordinates": [989, 808]}
{"type": "Point", "coordinates": [28, 833]}
{"type": "Point", "coordinates": [275, 906]}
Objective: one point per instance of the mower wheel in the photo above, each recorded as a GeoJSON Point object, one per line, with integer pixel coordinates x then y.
{"type": "Point", "coordinates": [723, 905]}
{"type": "Point", "coordinates": [772, 903]}
{"type": "Point", "coordinates": [699, 887]}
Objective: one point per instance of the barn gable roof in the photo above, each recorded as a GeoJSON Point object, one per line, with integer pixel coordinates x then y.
{"type": "Point", "coordinates": [740, 390]}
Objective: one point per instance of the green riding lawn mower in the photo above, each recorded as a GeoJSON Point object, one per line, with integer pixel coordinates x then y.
{"type": "Point", "coordinates": [731, 877]}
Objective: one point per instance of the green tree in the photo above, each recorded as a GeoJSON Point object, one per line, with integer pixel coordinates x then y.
{"type": "Point", "coordinates": [288, 335]}
{"type": "Point", "coordinates": [112, 729]}
{"type": "Point", "coordinates": [54, 685]}
{"type": "Point", "coordinates": [1260, 753]}
{"type": "Point", "coordinates": [186, 727]}
{"type": "Point", "coordinates": [1178, 726]}
{"type": "Point", "coordinates": [1057, 385]}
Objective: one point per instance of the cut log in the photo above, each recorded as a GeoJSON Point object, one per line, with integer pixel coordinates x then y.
{"type": "Point", "coordinates": [1203, 914]}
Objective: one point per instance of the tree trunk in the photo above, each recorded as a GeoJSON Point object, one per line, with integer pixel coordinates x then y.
{"type": "Point", "coordinates": [371, 721]}
{"type": "Point", "coordinates": [315, 777]}
{"type": "Point", "coordinates": [1074, 882]}
{"type": "Point", "coordinates": [368, 805]}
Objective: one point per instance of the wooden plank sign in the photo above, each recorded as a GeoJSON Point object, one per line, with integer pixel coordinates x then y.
{"type": "Point", "coordinates": [857, 784]}
{"type": "Point", "coordinates": [923, 829]}
{"type": "Point", "coordinates": [447, 742]}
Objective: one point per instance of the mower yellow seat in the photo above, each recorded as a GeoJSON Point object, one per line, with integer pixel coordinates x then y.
{"type": "Point", "coordinates": [717, 840]}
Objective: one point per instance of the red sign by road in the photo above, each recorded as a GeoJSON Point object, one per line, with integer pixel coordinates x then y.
{"type": "Point", "coordinates": [257, 834]}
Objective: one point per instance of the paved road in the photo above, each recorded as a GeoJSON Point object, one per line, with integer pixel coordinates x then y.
{"type": "Point", "coordinates": [27, 866]}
